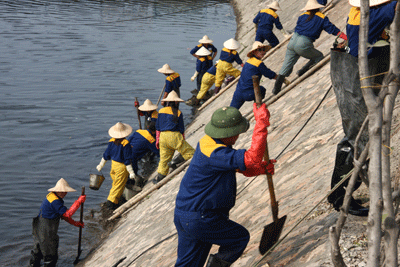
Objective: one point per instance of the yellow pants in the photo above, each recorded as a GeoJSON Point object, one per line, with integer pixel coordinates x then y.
{"type": "Point", "coordinates": [169, 142]}
{"type": "Point", "coordinates": [119, 176]}
{"type": "Point", "coordinates": [206, 83]}
{"type": "Point", "coordinates": [224, 68]}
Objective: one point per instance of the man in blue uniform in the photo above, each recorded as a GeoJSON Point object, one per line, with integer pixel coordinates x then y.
{"type": "Point", "coordinates": [208, 189]}
{"type": "Point", "coordinates": [172, 81]}
{"type": "Point", "coordinates": [265, 21]}
{"type": "Point", "coordinates": [45, 225]}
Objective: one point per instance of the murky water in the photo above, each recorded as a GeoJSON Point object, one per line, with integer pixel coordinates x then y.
{"type": "Point", "coordinates": [69, 70]}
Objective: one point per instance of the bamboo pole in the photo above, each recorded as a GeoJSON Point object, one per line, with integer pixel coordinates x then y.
{"type": "Point", "coordinates": [119, 211]}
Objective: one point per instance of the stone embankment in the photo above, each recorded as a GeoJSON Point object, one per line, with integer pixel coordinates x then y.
{"type": "Point", "coordinates": [145, 235]}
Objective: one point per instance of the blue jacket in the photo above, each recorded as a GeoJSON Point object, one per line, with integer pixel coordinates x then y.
{"type": "Point", "coordinates": [266, 19]}
{"type": "Point", "coordinates": [212, 70]}
{"type": "Point", "coordinates": [314, 26]}
{"type": "Point", "coordinates": [142, 141]}
{"type": "Point", "coordinates": [204, 63]}
{"type": "Point", "coordinates": [379, 18]}
{"type": "Point", "coordinates": [165, 121]}
{"type": "Point", "coordinates": [121, 153]}
{"type": "Point", "coordinates": [172, 81]}
{"type": "Point", "coordinates": [210, 181]}
{"type": "Point", "coordinates": [52, 207]}
{"type": "Point", "coordinates": [230, 56]}
{"type": "Point", "coordinates": [253, 66]}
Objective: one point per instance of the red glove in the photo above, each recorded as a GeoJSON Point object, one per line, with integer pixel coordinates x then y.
{"type": "Point", "coordinates": [158, 139]}
{"type": "Point", "coordinates": [137, 104]}
{"type": "Point", "coordinates": [342, 35]}
{"type": "Point", "coordinates": [183, 136]}
{"type": "Point", "coordinates": [254, 155]}
{"type": "Point", "coordinates": [75, 206]}
{"type": "Point", "coordinates": [74, 223]}
{"type": "Point", "coordinates": [262, 168]}
{"type": "Point", "coordinates": [141, 113]}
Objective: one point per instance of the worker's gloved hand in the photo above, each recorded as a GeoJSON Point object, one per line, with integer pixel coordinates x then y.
{"type": "Point", "coordinates": [285, 34]}
{"type": "Point", "coordinates": [137, 104]}
{"type": "Point", "coordinates": [254, 156]}
{"type": "Point", "coordinates": [131, 172]}
{"type": "Point", "coordinates": [342, 35]}
{"type": "Point", "coordinates": [101, 164]}
{"type": "Point", "coordinates": [263, 167]}
{"type": "Point", "coordinates": [158, 139]}
{"type": "Point", "coordinates": [74, 223]}
{"type": "Point", "coordinates": [286, 81]}
{"type": "Point", "coordinates": [194, 76]}
{"type": "Point", "coordinates": [74, 207]}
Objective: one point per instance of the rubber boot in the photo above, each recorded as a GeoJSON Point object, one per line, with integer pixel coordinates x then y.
{"type": "Point", "coordinates": [216, 90]}
{"type": "Point", "coordinates": [214, 261]}
{"type": "Point", "coordinates": [110, 205]}
{"type": "Point", "coordinates": [175, 162]}
{"type": "Point", "coordinates": [278, 84]}
{"type": "Point", "coordinates": [158, 178]}
{"type": "Point", "coordinates": [50, 261]}
{"type": "Point", "coordinates": [35, 258]}
{"type": "Point", "coordinates": [139, 181]}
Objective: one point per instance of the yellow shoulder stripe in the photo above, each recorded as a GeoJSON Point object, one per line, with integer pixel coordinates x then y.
{"type": "Point", "coordinates": [51, 197]}
{"type": "Point", "coordinates": [233, 52]}
{"type": "Point", "coordinates": [147, 135]}
{"type": "Point", "coordinates": [173, 76]}
{"type": "Point", "coordinates": [208, 145]}
{"type": "Point", "coordinates": [354, 16]}
{"type": "Point", "coordinates": [269, 12]}
{"type": "Point", "coordinates": [124, 142]}
{"type": "Point", "coordinates": [254, 61]}
{"type": "Point", "coordinates": [319, 14]}
{"type": "Point", "coordinates": [168, 110]}
{"type": "Point", "coordinates": [154, 115]}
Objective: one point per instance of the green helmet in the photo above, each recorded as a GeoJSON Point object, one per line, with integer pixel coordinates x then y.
{"type": "Point", "coordinates": [226, 122]}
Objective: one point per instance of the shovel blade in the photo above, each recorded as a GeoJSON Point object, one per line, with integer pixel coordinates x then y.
{"type": "Point", "coordinates": [271, 234]}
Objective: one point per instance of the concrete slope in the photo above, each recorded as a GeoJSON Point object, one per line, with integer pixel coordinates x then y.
{"type": "Point", "coordinates": [146, 235]}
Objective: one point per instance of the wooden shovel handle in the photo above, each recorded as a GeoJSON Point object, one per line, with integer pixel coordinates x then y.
{"type": "Point", "coordinates": [258, 100]}
{"type": "Point", "coordinates": [138, 115]}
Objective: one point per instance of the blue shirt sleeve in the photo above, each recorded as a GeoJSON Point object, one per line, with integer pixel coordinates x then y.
{"type": "Point", "coordinates": [329, 27]}
{"type": "Point", "coordinates": [266, 71]}
{"type": "Point", "coordinates": [238, 59]}
{"type": "Point", "coordinates": [257, 18]}
{"type": "Point", "coordinates": [278, 24]}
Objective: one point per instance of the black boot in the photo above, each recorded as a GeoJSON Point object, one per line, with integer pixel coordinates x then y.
{"type": "Point", "coordinates": [305, 68]}
{"type": "Point", "coordinates": [278, 84]}
{"type": "Point", "coordinates": [158, 178]}
{"type": "Point", "coordinates": [36, 257]}
{"type": "Point", "coordinates": [175, 162]}
{"type": "Point", "coordinates": [216, 90]}
{"type": "Point", "coordinates": [213, 261]}
{"type": "Point", "coordinates": [110, 205]}
{"type": "Point", "coordinates": [354, 209]}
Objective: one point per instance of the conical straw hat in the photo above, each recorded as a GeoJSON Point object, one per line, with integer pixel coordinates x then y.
{"type": "Point", "coordinates": [257, 45]}
{"type": "Point", "coordinates": [173, 96]}
{"type": "Point", "coordinates": [120, 130]}
{"type": "Point", "coordinates": [166, 69]}
{"type": "Point", "coordinates": [312, 4]}
{"type": "Point", "coordinates": [232, 44]}
{"type": "Point", "coordinates": [205, 40]}
{"type": "Point", "coordinates": [274, 5]}
{"type": "Point", "coordinates": [147, 106]}
{"type": "Point", "coordinates": [202, 52]}
{"type": "Point", "coordinates": [62, 186]}
{"type": "Point", "coordinates": [357, 3]}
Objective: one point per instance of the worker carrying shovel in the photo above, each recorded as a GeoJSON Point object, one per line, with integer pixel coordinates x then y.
{"type": "Point", "coordinates": [45, 225]}
{"type": "Point", "coordinates": [208, 189]}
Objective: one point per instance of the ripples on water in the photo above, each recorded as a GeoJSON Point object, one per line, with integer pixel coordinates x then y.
{"type": "Point", "coordinates": [69, 70]}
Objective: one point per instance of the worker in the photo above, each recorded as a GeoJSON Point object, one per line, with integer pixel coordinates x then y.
{"type": "Point", "coordinates": [119, 151]}
{"type": "Point", "coordinates": [253, 66]}
{"type": "Point", "coordinates": [206, 43]}
{"type": "Point", "coordinates": [227, 57]}
{"type": "Point", "coordinates": [148, 110]}
{"type": "Point", "coordinates": [170, 136]}
{"type": "Point", "coordinates": [45, 225]}
{"type": "Point", "coordinates": [204, 62]}
{"type": "Point", "coordinates": [265, 21]}
{"type": "Point", "coordinates": [308, 29]}
{"type": "Point", "coordinates": [347, 87]}
{"type": "Point", "coordinates": [142, 142]}
{"type": "Point", "coordinates": [208, 189]}
{"type": "Point", "coordinates": [172, 82]}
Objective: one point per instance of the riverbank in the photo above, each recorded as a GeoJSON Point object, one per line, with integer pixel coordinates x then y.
{"type": "Point", "coordinates": [145, 235]}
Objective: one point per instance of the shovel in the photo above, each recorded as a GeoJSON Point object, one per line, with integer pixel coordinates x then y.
{"type": "Point", "coordinates": [80, 231]}
{"type": "Point", "coordinates": [273, 230]}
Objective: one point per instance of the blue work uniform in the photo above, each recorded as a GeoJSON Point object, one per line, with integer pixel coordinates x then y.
{"type": "Point", "coordinates": [202, 65]}
{"type": "Point", "coordinates": [150, 115]}
{"type": "Point", "coordinates": [230, 56]}
{"type": "Point", "coordinates": [244, 89]}
{"type": "Point", "coordinates": [265, 20]}
{"type": "Point", "coordinates": [210, 48]}
{"type": "Point", "coordinates": [173, 83]}
{"type": "Point", "coordinates": [52, 207]}
{"type": "Point", "coordinates": [119, 153]}
{"type": "Point", "coordinates": [379, 18]}
{"type": "Point", "coordinates": [166, 122]}
{"type": "Point", "coordinates": [207, 193]}
{"type": "Point", "coordinates": [225, 67]}
{"type": "Point", "coordinates": [212, 70]}
{"type": "Point", "coordinates": [142, 142]}
{"type": "Point", "coordinates": [322, 2]}
{"type": "Point", "coordinates": [301, 43]}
